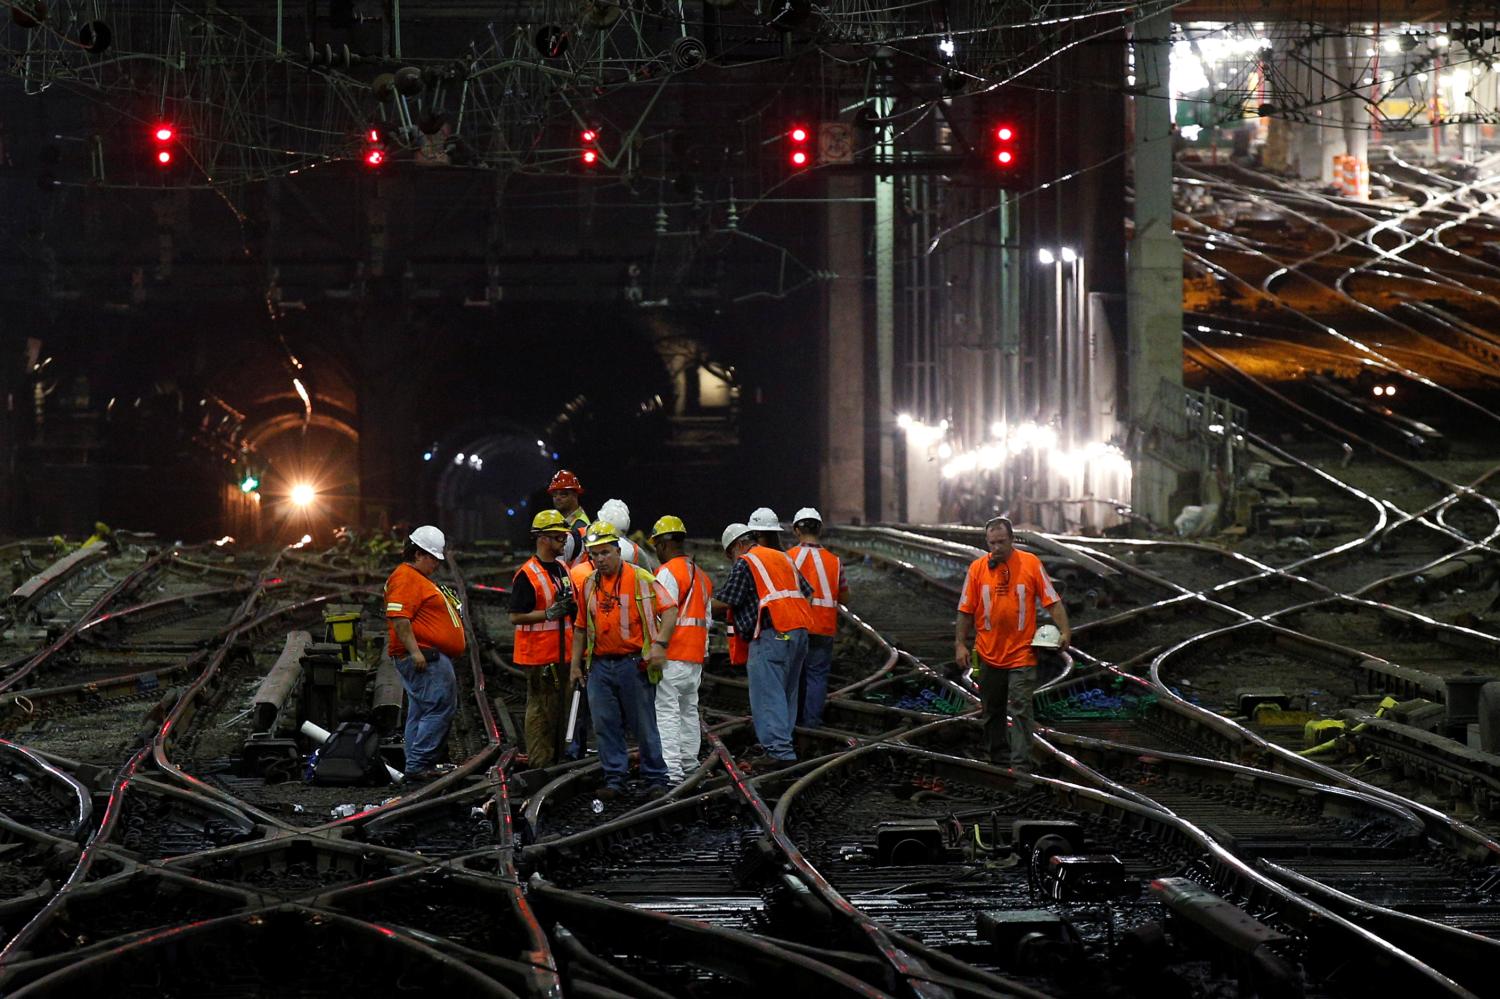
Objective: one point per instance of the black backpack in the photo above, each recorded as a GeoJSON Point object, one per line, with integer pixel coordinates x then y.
{"type": "Point", "coordinates": [351, 756]}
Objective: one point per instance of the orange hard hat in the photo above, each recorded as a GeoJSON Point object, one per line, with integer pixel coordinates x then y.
{"type": "Point", "coordinates": [565, 479]}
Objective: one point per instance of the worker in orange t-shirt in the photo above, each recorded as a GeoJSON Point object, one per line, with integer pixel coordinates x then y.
{"type": "Point", "coordinates": [426, 635]}
{"type": "Point", "coordinates": [1000, 596]}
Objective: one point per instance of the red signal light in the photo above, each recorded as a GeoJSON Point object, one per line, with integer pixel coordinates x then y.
{"type": "Point", "coordinates": [164, 157]}
{"type": "Point", "coordinates": [797, 136]}
{"type": "Point", "coordinates": [1004, 157]}
{"type": "Point", "coordinates": [588, 135]}
{"type": "Point", "coordinates": [590, 157]}
{"type": "Point", "coordinates": [1005, 133]}
{"type": "Point", "coordinates": [373, 135]}
{"type": "Point", "coordinates": [164, 133]}
{"type": "Point", "coordinates": [374, 157]}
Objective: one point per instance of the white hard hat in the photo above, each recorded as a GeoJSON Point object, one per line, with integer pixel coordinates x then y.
{"type": "Point", "coordinates": [1047, 637]}
{"type": "Point", "coordinates": [807, 513]}
{"type": "Point", "coordinates": [615, 512]}
{"type": "Point", "coordinates": [733, 533]}
{"type": "Point", "coordinates": [429, 539]}
{"type": "Point", "coordinates": [764, 519]}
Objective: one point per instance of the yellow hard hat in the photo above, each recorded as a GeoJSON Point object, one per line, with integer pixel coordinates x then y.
{"type": "Point", "coordinates": [549, 520]}
{"type": "Point", "coordinates": [602, 533]}
{"type": "Point", "coordinates": [668, 525]}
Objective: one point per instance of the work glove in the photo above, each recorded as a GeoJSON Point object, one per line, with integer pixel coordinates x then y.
{"type": "Point", "coordinates": [561, 609]}
{"type": "Point", "coordinates": [653, 673]}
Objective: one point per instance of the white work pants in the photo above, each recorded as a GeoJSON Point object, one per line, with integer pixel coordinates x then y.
{"type": "Point", "coordinates": [677, 717]}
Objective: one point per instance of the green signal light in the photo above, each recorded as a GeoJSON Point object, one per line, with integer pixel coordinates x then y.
{"type": "Point", "coordinates": [249, 484]}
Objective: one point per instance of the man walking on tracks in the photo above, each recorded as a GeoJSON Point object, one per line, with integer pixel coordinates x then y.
{"type": "Point", "coordinates": [1000, 597]}
{"type": "Point", "coordinates": [542, 609]}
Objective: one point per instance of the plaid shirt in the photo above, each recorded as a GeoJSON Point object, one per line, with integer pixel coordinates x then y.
{"type": "Point", "coordinates": [739, 593]}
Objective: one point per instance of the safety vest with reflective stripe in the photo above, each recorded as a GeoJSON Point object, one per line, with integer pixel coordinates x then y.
{"type": "Point", "coordinates": [689, 641]}
{"type": "Point", "coordinates": [543, 642]}
{"type": "Point", "coordinates": [776, 586]}
{"type": "Point", "coordinates": [739, 648]}
{"type": "Point", "coordinates": [636, 617]}
{"type": "Point", "coordinates": [820, 567]}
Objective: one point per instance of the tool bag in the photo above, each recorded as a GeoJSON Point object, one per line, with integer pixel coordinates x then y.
{"type": "Point", "coordinates": [351, 756]}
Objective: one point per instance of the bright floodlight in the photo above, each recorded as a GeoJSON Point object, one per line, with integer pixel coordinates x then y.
{"type": "Point", "coordinates": [1045, 255]}
{"type": "Point", "coordinates": [303, 494]}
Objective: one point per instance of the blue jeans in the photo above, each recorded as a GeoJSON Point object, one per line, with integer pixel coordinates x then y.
{"type": "Point", "coordinates": [620, 696]}
{"type": "Point", "coordinates": [815, 679]}
{"type": "Point", "coordinates": [431, 699]}
{"type": "Point", "coordinates": [775, 671]}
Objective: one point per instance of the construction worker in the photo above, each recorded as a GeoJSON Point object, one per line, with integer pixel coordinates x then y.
{"type": "Point", "coordinates": [1000, 595]}
{"type": "Point", "coordinates": [617, 513]}
{"type": "Point", "coordinates": [579, 571]}
{"type": "Point", "coordinates": [426, 634]}
{"type": "Point", "coordinates": [769, 599]}
{"type": "Point", "coordinates": [542, 609]}
{"type": "Point", "coordinates": [686, 643]}
{"type": "Point", "coordinates": [824, 573]}
{"type": "Point", "coordinates": [617, 617]}
{"type": "Point", "coordinates": [566, 492]}
{"type": "Point", "coordinates": [739, 645]}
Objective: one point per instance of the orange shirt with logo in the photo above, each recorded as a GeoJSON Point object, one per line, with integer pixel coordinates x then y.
{"type": "Point", "coordinates": [435, 620]}
{"type": "Point", "coordinates": [622, 595]}
{"type": "Point", "coordinates": [1003, 602]}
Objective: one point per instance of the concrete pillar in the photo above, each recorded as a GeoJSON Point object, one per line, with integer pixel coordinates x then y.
{"type": "Point", "coordinates": [842, 485]}
{"type": "Point", "coordinates": [1153, 272]}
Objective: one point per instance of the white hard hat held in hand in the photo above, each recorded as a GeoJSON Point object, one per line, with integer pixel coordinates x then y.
{"type": "Point", "coordinates": [1047, 637]}
{"type": "Point", "coordinates": [764, 519]}
{"type": "Point", "coordinates": [430, 540]}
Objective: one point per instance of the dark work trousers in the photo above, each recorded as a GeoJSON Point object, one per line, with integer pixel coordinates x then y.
{"type": "Point", "coordinates": [545, 705]}
{"type": "Point", "coordinates": [1003, 691]}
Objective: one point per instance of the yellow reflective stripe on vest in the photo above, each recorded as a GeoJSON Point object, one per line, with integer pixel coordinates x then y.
{"type": "Point", "coordinates": [645, 602]}
{"type": "Point", "coordinates": [546, 594]}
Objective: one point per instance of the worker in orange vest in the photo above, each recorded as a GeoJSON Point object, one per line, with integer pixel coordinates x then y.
{"type": "Point", "coordinates": [739, 645]}
{"type": "Point", "coordinates": [579, 571]}
{"type": "Point", "coordinates": [823, 572]}
{"type": "Point", "coordinates": [542, 609]}
{"type": "Point", "coordinates": [769, 599]}
{"type": "Point", "coordinates": [686, 646]}
{"type": "Point", "coordinates": [617, 617]}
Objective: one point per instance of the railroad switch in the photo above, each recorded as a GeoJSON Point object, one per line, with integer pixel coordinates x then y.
{"type": "Point", "coordinates": [1030, 940]}
{"type": "Point", "coordinates": [1210, 922]}
{"type": "Point", "coordinates": [260, 753]}
{"type": "Point", "coordinates": [909, 841]}
{"type": "Point", "coordinates": [1249, 700]}
{"type": "Point", "coordinates": [1024, 834]}
{"type": "Point", "coordinates": [1315, 733]}
{"type": "Point", "coordinates": [1099, 877]}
